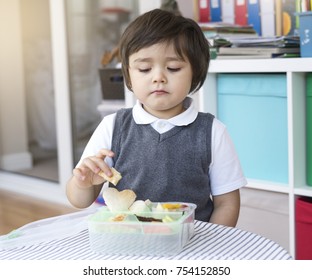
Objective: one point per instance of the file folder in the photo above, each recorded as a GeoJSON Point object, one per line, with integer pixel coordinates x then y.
{"type": "Point", "coordinates": [304, 5]}
{"type": "Point", "coordinates": [227, 11]}
{"type": "Point", "coordinates": [253, 9]}
{"type": "Point", "coordinates": [204, 10]}
{"type": "Point", "coordinates": [267, 15]}
{"type": "Point", "coordinates": [288, 17]}
{"type": "Point", "coordinates": [215, 10]}
{"type": "Point", "coordinates": [278, 18]}
{"type": "Point", "coordinates": [301, 6]}
{"type": "Point", "coordinates": [240, 12]}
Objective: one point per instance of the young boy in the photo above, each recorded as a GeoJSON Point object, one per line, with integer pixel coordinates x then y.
{"type": "Point", "coordinates": [164, 148]}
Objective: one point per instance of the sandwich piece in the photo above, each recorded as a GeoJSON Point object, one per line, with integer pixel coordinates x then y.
{"type": "Point", "coordinates": [118, 200]}
{"type": "Point", "coordinates": [114, 179]}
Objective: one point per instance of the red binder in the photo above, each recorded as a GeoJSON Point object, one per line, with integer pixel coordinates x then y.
{"type": "Point", "coordinates": [305, 5]}
{"type": "Point", "coordinates": [204, 11]}
{"type": "Point", "coordinates": [241, 12]}
{"type": "Point", "coordinates": [303, 228]}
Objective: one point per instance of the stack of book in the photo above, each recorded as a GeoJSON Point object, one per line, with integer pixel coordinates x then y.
{"type": "Point", "coordinates": [268, 17]}
{"type": "Point", "coordinates": [227, 30]}
{"type": "Point", "coordinates": [220, 34]}
{"type": "Point", "coordinates": [261, 47]}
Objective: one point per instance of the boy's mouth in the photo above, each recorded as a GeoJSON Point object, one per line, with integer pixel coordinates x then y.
{"type": "Point", "coordinates": [159, 92]}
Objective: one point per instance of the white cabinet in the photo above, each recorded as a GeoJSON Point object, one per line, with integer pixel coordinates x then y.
{"type": "Point", "coordinates": [295, 70]}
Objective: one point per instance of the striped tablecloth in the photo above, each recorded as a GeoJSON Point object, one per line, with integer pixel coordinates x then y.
{"type": "Point", "coordinates": [210, 242]}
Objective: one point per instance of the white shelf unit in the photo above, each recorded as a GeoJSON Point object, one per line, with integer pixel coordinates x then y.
{"type": "Point", "coordinates": [295, 70]}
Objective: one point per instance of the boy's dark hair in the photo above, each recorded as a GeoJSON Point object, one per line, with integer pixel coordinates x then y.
{"type": "Point", "coordinates": [159, 26]}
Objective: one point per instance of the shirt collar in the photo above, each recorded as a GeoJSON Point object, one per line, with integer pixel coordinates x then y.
{"type": "Point", "coordinates": [140, 116]}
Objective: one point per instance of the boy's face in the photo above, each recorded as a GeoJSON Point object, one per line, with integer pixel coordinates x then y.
{"type": "Point", "coordinates": [160, 79]}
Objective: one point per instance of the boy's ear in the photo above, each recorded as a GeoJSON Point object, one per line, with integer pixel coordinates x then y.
{"type": "Point", "coordinates": [129, 86]}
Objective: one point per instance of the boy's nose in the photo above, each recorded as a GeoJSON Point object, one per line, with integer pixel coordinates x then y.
{"type": "Point", "coordinates": [159, 78]}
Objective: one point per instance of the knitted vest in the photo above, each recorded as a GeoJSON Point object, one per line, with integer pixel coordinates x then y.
{"type": "Point", "coordinates": [172, 166]}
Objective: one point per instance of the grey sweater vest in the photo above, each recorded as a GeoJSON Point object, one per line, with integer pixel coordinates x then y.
{"type": "Point", "coordinates": [172, 166]}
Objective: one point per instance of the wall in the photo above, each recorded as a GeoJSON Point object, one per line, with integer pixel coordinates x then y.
{"type": "Point", "coordinates": [265, 213]}
{"type": "Point", "coordinates": [37, 59]}
{"type": "Point", "coordinates": [14, 153]}
{"type": "Point", "coordinates": [186, 6]}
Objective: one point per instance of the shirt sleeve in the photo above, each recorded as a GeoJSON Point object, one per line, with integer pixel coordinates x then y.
{"type": "Point", "coordinates": [100, 139]}
{"type": "Point", "coordinates": [225, 170]}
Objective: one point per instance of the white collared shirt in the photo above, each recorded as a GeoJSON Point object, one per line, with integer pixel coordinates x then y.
{"type": "Point", "coordinates": [140, 116]}
{"type": "Point", "coordinates": [225, 170]}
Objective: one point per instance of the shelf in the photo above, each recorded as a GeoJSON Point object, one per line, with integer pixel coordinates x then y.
{"type": "Point", "coordinates": [261, 65]}
{"type": "Point", "coordinates": [303, 191]}
{"type": "Point", "coordinates": [295, 70]}
{"type": "Point", "coordinates": [268, 186]}
{"type": "Point", "coordinates": [277, 187]}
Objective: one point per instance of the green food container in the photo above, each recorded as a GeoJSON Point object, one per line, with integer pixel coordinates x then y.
{"type": "Point", "coordinates": [134, 237]}
{"type": "Point", "coordinates": [309, 128]}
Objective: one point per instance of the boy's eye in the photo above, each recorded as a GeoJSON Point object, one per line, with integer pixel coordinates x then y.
{"type": "Point", "coordinates": [171, 69]}
{"type": "Point", "coordinates": [145, 70]}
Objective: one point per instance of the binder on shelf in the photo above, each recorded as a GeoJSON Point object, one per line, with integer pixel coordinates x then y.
{"type": "Point", "coordinates": [215, 10]}
{"type": "Point", "coordinates": [288, 17]}
{"type": "Point", "coordinates": [253, 9]}
{"type": "Point", "coordinates": [304, 5]}
{"type": "Point", "coordinates": [267, 14]}
{"type": "Point", "coordinates": [301, 6]}
{"type": "Point", "coordinates": [204, 11]}
{"type": "Point", "coordinates": [227, 11]}
{"type": "Point", "coordinates": [241, 12]}
{"type": "Point", "coordinates": [278, 18]}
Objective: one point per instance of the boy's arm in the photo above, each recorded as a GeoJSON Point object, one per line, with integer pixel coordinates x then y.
{"type": "Point", "coordinates": [81, 197]}
{"type": "Point", "coordinates": [226, 209]}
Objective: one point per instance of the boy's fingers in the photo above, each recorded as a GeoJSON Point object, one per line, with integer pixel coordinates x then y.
{"type": "Point", "coordinates": [104, 153]}
{"type": "Point", "coordinates": [96, 165]}
{"type": "Point", "coordinates": [77, 172]}
{"type": "Point", "coordinates": [91, 163]}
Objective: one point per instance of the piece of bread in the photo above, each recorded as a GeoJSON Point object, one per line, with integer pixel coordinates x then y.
{"type": "Point", "coordinates": [114, 179]}
{"type": "Point", "coordinates": [118, 200]}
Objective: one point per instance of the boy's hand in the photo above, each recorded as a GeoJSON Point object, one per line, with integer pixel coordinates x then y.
{"type": "Point", "coordinates": [87, 173]}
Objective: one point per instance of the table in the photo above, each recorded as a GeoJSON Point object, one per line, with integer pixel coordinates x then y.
{"type": "Point", "coordinates": [66, 238]}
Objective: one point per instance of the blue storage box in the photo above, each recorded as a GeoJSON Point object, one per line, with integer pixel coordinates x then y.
{"type": "Point", "coordinates": [305, 32]}
{"type": "Point", "coordinates": [254, 109]}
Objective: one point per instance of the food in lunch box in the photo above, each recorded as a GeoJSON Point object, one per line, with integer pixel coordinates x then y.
{"type": "Point", "coordinates": [144, 211]}
{"type": "Point", "coordinates": [113, 179]}
{"type": "Point", "coordinates": [140, 206]}
{"type": "Point", "coordinates": [118, 218]}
